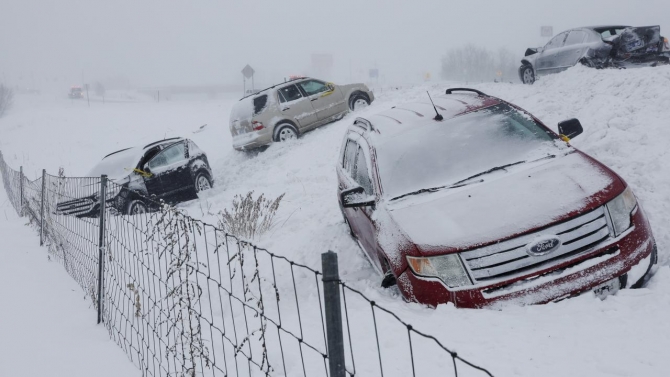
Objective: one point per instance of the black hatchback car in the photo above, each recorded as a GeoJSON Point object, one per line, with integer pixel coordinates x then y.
{"type": "Point", "coordinates": [170, 170]}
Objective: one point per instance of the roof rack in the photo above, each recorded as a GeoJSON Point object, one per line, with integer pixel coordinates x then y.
{"type": "Point", "coordinates": [451, 90]}
{"type": "Point", "coordinates": [161, 141]}
{"type": "Point", "coordinates": [268, 88]}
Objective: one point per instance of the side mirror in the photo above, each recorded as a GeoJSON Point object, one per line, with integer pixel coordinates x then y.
{"type": "Point", "coordinates": [570, 128]}
{"type": "Point", "coordinates": [356, 197]}
{"type": "Point", "coordinates": [330, 86]}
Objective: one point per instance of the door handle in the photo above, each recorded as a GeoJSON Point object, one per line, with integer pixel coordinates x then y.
{"type": "Point", "coordinates": [286, 108]}
{"type": "Point", "coordinates": [314, 99]}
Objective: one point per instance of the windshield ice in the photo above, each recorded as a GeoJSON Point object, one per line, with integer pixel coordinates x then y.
{"type": "Point", "coordinates": [443, 153]}
{"type": "Point", "coordinates": [118, 165]}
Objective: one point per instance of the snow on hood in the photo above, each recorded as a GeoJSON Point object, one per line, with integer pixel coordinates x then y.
{"type": "Point", "coordinates": [118, 165]}
{"type": "Point", "coordinates": [506, 203]}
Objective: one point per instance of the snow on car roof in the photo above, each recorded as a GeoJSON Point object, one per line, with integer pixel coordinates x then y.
{"type": "Point", "coordinates": [407, 116]}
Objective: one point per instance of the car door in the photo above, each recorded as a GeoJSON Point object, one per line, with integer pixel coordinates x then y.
{"type": "Point", "coordinates": [574, 49]}
{"type": "Point", "coordinates": [294, 105]}
{"type": "Point", "coordinates": [326, 99]}
{"type": "Point", "coordinates": [548, 59]}
{"type": "Point", "coordinates": [170, 173]}
{"type": "Point", "coordinates": [356, 168]}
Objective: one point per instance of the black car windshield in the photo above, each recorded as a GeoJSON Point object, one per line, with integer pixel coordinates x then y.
{"type": "Point", "coordinates": [443, 153]}
{"type": "Point", "coordinates": [117, 165]}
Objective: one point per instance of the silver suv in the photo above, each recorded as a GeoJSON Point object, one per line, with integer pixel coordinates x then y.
{"type": "Point", "coordinates": [287, 110]}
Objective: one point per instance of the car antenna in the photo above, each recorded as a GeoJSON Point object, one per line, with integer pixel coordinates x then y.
{"type": "Point", "coordinates": [438, 116]}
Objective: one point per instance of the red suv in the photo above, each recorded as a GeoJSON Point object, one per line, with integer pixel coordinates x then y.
{"type": "Point", "coordinates": [474, 201]}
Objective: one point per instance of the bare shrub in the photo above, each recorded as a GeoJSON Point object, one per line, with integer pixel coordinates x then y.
{"type": "Point", "coordinates": [6, 99]}
{"type": "Point", "coordinates": [249, 218]}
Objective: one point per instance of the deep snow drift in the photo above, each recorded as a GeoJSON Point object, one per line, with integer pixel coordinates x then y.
{"type": "Point", "coordinates": [624, 114]}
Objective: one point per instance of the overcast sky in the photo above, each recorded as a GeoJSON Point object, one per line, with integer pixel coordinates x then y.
{"type": "Point", "coordinates": [164, 42]}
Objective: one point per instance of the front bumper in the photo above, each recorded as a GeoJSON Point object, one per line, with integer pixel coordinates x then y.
{"type": "Point", "coordinates": [610, 259]}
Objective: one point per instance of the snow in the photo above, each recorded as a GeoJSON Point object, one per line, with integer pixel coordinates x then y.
{"type": "Point", "coordinates": [624, 114]}
{"type": "Point", "coordinates": [48, 328]}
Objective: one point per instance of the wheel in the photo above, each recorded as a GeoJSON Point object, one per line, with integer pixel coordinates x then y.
{"type": "Point", "coordinates": [645, 277]}
{"type": "Point", "coordinates": [202, 182]}
{"type": "Point", "coordinates": [587, 63]}
{"type": "Point", "coordinates": [136, 207]}
{"type": "Point", "coordinates": [358, 102]}
{"type": "Point", "coordinates": [527, 75]}
{"type": "Point", "coordinates": [286, 132]}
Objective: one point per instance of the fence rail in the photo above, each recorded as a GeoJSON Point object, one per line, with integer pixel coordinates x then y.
{"type": "Point", "coordinates": [185, 298]}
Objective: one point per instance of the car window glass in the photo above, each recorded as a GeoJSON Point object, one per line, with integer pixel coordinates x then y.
{"type": "Point", "coordinates": [575, 37]}
{"type": "Point", "coordinates": [556, 42]}
{"type": "Point", "coordinates": [350, 157]}
{"type": "Point", "coordinates": [290, 93]}
{"type": "Point", "coordinates": [260, 103]}
{"type": "Point", "coordinates": [362, 176]}
{"type": "Point", "coordinates": [313, 87]}
{"type": "Point", "coordinates": [169, 156]}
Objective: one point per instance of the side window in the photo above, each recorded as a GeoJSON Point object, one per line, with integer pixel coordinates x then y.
{"type": "Point", "coordinates": [575, 37]}
{"type": "Point", "coordinates": [362, 175]}
{"type": "Point", "coordinates": [169, 156]}
{"type": "Point", "coordinates": [350, 157]}
{"type": "Point", "coordinates": [556, 42]}
{"type": "Point", "coordinates": [260, 103]}
{"type": "Point", "coordinates": [313, 87]}
{"type": "Point", "coordinates": [289, 93]}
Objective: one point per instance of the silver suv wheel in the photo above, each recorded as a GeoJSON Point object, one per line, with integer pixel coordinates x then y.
{"type": "Point", "coordinates": [286, 133]}
{"type": "Point", "coordinates": [202, 183]}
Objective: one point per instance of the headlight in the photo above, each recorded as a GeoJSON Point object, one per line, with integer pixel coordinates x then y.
{"type": "Point", "coordinates": [620, 210]}
{"type": "Point", "coordinates": [447, 268]}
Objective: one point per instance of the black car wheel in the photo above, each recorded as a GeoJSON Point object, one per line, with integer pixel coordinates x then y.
{"type": "Point", "coordinates": [358, 102]}
{"type": "Point", "coordinates": [202, 182]}
{"type": "Point", "coordinates": [527, 75]}
{"type": "Point", "coordinates": [136, 207]}
{"type": "Point", "coordinates": [587, 63]}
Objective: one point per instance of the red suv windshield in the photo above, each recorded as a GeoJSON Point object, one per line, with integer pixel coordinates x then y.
{"type": "Point", "coordinates": [446, 152]}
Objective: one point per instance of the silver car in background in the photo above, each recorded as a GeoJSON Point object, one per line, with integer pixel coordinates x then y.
{"type": "Point", "coordinates": [287, 110]}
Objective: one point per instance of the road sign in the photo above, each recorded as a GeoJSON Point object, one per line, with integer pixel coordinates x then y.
{"type": "Point", "coordinates": [248, 72]}
{"type": "Point", "coordinates": [547, 31]}
{"type": "Point", "coordinates": [374, 73]}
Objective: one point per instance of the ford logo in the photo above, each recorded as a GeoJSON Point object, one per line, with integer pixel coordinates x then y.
{"type": "Point", "coordinates": [543, 245]}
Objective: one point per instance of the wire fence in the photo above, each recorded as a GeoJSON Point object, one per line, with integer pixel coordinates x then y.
{"type": "Point", "coordinates": [185, 298]}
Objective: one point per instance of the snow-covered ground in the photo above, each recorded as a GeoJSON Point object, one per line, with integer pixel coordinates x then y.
{"type": "Point", "coordinates": [625, 115]}
{"type": "Point", "coordinates": [46, 327]}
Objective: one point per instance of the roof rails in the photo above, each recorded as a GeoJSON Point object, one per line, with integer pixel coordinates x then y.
{"type": "Point", "coordinates": [451, 90]}
{"type": "Point", "coordinates": [268, 88]}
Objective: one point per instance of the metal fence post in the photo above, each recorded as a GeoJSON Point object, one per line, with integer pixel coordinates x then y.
{"type": "Point", "coordinates": [44, 186]}
{"type": "Point", "coordinates": [101, 244]}
{"type": "Point", "coordinates": [331, 295]}
{"type": "Point", "coordinates": [21, 190]}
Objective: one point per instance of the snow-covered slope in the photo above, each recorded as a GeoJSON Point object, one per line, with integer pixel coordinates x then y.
{"type": "Point", "coordinates": [625, 115]}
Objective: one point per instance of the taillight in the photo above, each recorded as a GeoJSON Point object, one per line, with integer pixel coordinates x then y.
{"type": "Point", "coordinates": [257, 126]}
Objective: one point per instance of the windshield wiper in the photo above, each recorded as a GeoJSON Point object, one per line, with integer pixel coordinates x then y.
{"type": "Point", "coordinates": [462, 183]}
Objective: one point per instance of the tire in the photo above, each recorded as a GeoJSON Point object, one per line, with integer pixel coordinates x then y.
{"type": "Point", "coordinates": [358, 102]}
{"type": "Point", "coordinates": [527, 75]}
{"type": "Point", "coordinates": [654, 259]}
{"type": "Point", "coordinates": [136, 207]}
{"type": "Point", "coordinates": [285, 132]}
{"type": "Point", "coordinates": [202, 182]}
{"type": "Point", "coordinates": [587, 63]}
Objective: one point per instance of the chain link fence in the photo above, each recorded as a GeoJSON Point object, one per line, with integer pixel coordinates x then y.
{"type": "Point", "coordinates": [184, 298]}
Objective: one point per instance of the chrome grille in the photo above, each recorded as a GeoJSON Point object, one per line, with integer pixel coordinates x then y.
{"type": "Point", "coordinates": [75, 207]}
{"type": "Point", "coordinates": [510, 257]}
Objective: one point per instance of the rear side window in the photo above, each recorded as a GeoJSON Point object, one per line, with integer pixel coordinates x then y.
{"type": "Point", "coordinates": [575, 37]}
{"type": "Point", "coordinates": [312, 87]}
{"type": "Point", "coordinates": [289, 93]}
{"type": "Point", "coordinates": [260, 103]}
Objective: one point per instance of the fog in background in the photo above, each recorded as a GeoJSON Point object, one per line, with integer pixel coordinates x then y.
{"type": "Point", "coordinates": [149, 43]}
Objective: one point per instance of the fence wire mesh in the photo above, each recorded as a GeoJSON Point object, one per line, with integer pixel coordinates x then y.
{"type": "Point", "coordinates": [184, 298]}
